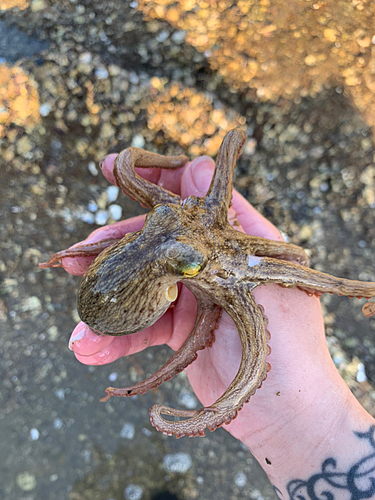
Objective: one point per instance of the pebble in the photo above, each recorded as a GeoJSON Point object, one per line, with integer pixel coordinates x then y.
{"type": "Point", "coordinates": [338, 359]}
{"type": "Point", "coordinates": [85, 58]}
{"type": "Point", "coordinates": [177, 462]}
{"type": "Point", "coordinates": [256, 495]}
{"type": "Point", "coordinates": [92, 168]}
{"type": "Point", "coordinates": [53, 333]}
{"type": "Point", "coordinates": [162, 36]}
{"type": "Point", "coordinates": [133, 78]}
{"type": "Point", "coordinates": [34, 434]}
{"type": "Point", "coordinates": [26, 481]}
{"type": "Point", "coordinates": [115, 211]}
{"type": "Point", "coordinates": [45, 109]}
{"type": "Point", "coordinates": [32, 304]}
{"type": "Point", "coordinates": [101, 217]}
{"type": "Point", "coordinates": [92, 206]}
{"type": "Point", "coordinates": [240, 479]}
{"type": "Point", "coordinates": [187, 399]}
{"type": "Point", "coordinates": [86, 217]}
{"type": "Point", "coordinates": [127, 431]}
{"type": "Point", "coordinates": [138, 141]}
{"type": "Point", "coordinates": [361, 373]}
{"type": "Point", "coordinates": [250, 147]}
{"type": "Point", "coordinates": [57, 424]}
{"type": "Point", "coordinates": [112, 193]}
{"type": "Point", "coordinates": [60, 394]}
{"type": "Point", "coordinates": [101, 73]}
{"type": "Point", "coordinates": [24, 145]}
{"type": "Point", "coordinates": [133, 492]}
{"type": "Point", "coordinates": [37, 5]}
{"type": "Point", "coordinates": [316, 152]}
{"type": "Point", "coordinates": [179, 36]}
{"type": "Point", "coordinates": [112, 377]}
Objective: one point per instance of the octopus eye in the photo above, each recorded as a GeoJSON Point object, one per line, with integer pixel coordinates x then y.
{"type": "Point", "coordinates": [190, 270]}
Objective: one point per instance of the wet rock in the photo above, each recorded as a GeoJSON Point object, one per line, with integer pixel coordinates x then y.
{"type": "Point", "coordinates": [115, 212]}
{"type": "Point", "coordinates": [240, 479]}
{"type": "Point", "coordinates": [178, 462]}
{"type": "Point", "coordinates": [133, 492]}
{"type": "Point", "coordinates": [127, 431]}
{"type": "Point", "coordinates": [26, 481]}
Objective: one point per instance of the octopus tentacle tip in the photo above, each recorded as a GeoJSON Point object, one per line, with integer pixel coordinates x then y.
{"type": "Point", "coordinates": [105, 398]}
{"type": "Point", "coordinates": [48, 264]}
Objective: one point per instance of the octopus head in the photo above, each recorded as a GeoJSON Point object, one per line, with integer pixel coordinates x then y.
{"type": "Point", "coordinates": [131, 284]}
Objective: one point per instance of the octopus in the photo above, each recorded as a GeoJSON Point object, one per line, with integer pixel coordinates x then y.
{"type": "Point", "coordinates": [133, 281]}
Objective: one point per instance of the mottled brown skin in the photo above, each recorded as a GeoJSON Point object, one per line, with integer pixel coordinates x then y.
{"type": "Point", "coordinates": [133, 281]}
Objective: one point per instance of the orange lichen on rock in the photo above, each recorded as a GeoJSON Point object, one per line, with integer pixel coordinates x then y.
{"type": "Point", "coordinates": [19, 99]}
{"type": "Point", "coordinates": [282, 49]}
{"type": "Point", "coordinates": [189, 118]}
{"type": "Point", "coordinates": [10, 4]}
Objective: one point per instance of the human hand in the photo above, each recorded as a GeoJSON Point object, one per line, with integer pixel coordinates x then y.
{"type": "Point", "coordinates": [303, 383]}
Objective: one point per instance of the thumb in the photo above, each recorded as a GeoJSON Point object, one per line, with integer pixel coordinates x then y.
{"type": "Point", "coordinates": [197, 177]}
{"type": "Point", "coordinates": [196, 180]}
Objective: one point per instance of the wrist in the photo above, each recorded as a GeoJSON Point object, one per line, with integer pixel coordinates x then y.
{"type": "Point", "coordinates": [322, 424]}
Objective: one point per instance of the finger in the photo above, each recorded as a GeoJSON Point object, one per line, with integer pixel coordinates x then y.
{"type": "Point", "coordinates": [166, 178]}
{"type": "Point", "coordinates": [79, 265]}
{"type": "Point", "coordinates": [196, 180]}
{"type": "Point", "coordinates": [93, 349]}
{"type": "Point", "coordinates": [106, 165]}
{"type": "Point", "coordinates": [252, 221]}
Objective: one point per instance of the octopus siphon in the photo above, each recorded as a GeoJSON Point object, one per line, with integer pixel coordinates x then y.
{"type": "Point", "coordinates": [133, 281]}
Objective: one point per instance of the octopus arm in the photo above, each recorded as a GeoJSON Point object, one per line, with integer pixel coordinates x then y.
{"type": "Point", "coordinates": [219, 195]}
{"type": "Point", "coordinates": [137, 188]}
{"type": "Point", "coordinates": [250, 323]}
{"type": "Point", "coordinates": [202, 336]}
{"type": "Point", "coordinates": [290, 275]}
{"type": "Point", "coordinates": [83, 250]}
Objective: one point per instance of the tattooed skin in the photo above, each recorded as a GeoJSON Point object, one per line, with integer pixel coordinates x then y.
{"type": "Point", "coordinates": [356, 483]}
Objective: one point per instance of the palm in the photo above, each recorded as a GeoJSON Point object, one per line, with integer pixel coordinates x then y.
{"type": "Point", "coordinates": [294, 348]}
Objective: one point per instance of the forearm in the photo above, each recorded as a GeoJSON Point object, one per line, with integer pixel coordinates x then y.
{"type": "Point", "coordinates": [328, 446]}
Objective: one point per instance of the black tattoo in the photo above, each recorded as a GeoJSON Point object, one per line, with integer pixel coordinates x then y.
{"type": "Point", "coordinates": [356, 484]}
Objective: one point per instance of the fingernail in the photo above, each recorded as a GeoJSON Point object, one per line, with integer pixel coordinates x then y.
{"type": "Point", "coordinates": [202, 170]}
{"type": "Point", "coordinates": [77, 335]}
